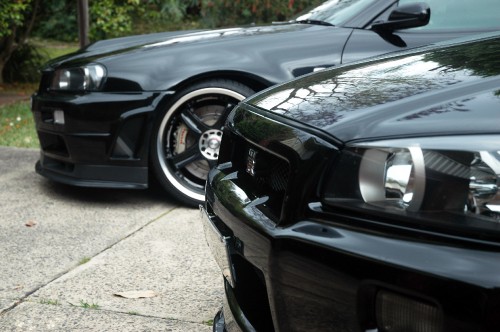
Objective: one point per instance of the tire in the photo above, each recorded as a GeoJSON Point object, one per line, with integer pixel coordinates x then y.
{"type": "Point", "coordinates": [187, 134]}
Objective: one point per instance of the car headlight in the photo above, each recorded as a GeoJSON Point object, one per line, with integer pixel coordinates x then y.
{"type": "Point", "coordinates": [449, 183]}
{"type": "Point", "coordinates": [85, 78]}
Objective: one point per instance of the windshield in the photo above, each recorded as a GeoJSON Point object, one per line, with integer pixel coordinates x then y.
{"type": "Point", "coordinates": [461, 14]}
{"type": "Point", "coordinates": [334, 12]}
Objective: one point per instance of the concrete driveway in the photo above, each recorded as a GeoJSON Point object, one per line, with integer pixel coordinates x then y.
{"type": "Point", "coordinates": [65, 253]}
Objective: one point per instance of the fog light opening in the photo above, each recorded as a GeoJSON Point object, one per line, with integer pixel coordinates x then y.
{"type": "Point", "coordinates": [398, 313]}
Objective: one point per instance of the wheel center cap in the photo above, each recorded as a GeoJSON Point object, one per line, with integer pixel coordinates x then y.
{"type": "Point", "coordinates": [210, 143]}
{"type": "Point", "coordinates": [213, 143]}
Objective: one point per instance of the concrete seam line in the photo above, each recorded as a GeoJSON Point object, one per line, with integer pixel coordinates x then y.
{"type": "Point", "coordinates": [67, 272]}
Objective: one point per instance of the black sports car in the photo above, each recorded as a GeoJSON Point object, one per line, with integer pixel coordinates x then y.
{"type": "Point", "coordinates": [364, 198]}
{"type": "Point", "coordinates": [112, 111]}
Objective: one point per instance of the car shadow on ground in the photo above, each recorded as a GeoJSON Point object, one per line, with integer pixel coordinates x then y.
{"type": "Point", "coordinates": [115, 197]}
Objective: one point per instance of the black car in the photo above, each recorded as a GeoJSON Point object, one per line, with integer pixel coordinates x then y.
{"type": "Point", "coordinates": [112, 112]}
{"type": "Point", "coordinates": [364, 198]}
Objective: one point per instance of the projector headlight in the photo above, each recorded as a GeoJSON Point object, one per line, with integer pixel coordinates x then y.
{"type": "Point", "coordinates": [446, 182]}
{"type": "Point", "coordinates": [85, 78]}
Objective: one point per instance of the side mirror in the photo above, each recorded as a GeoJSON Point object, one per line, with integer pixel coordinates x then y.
{"type": "Point", "coordinates": [411, 15]}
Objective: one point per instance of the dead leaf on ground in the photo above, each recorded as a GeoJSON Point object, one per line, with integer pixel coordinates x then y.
{"type": "Point", "coordinates": [136, 294]}
{"type": "Point", "coordinates": [30, 223]}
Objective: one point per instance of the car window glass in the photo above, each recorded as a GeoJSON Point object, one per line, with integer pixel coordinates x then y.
{"type": "Point", "coordinates": [335, 12]}
{"type": "Point", "coordinates": [461, 14]}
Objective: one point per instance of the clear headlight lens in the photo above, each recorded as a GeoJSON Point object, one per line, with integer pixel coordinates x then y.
{"type": "Point", "coordinates": [85, 78]}
{"type": "Point", "coordinates": [447, 182]}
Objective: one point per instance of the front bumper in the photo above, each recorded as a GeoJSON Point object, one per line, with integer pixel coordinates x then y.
{"type": "Point", "coordinates": [95, 139]}
{"type": "Point", "coordinates": [326, 273]}
{"type": "Point", "coordinates": [221, 244]}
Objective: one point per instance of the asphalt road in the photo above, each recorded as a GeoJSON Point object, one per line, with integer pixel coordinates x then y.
{"type": "Point", "coordinates": [65, 253]}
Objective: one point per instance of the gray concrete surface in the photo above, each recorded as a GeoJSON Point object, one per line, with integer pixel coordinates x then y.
{"type": "Point", "coordinates": [64, 249]}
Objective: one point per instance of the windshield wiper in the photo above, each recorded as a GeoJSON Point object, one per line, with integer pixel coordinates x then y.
{"type": "Point", "coordinates": [315, 22]}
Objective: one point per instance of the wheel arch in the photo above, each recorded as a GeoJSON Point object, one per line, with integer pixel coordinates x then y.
{"type": "Point", "coordinates": [253, 81]}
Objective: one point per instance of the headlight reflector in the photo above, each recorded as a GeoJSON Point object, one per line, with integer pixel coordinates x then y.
{"type": "Point", "coordinates": [394, 175]}
{"type": "Point", "coordinates": [439, 181]}
{"type": "Point", "coordinates": [86, 78]}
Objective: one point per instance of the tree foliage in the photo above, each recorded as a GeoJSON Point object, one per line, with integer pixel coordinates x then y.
{"type": "Point", "coordinates": [173, 10]}
{"type": "Point", "coordinates": [217, 13]}
{"type": "Point", "coordinates": [16, 22]}
{"type": "Point", "coordinates": [12, 16]}
{"type": "Point", "coordinates": [57, 19]}
{"type": "Point", "coordinates": [112, 18]}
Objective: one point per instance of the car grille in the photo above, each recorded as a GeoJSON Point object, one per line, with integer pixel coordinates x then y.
{"type": "Point", "coordinates": [276, 176]}
{"type": "Point", "coordinates": [265, 176]}
{"type": "Point", "coordinates": [278, 165]}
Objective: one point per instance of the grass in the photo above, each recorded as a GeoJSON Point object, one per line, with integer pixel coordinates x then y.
{"type": "Point", "coordinates": [84, 260]}
{"type": "Point", "coordinates": [54, 49]}
{"type": "Point", "coordinates": [17, 127]}
{"type": "Point", "coordinates": [49, 301]}
{"type": "Point", "coordinates": [87, 305]}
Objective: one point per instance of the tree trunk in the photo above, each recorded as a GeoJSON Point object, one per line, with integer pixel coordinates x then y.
{"type": "Point", "coordinates": [7, 47]}
{"type": "Point", "coordinates": [2, 65]}
{"type": "Point", "coordinates": [83, 22]}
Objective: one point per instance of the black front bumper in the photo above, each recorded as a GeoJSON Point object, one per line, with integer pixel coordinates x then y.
{"type": "Point", "coordinates": [95, 139]}
{"type": "Point", "coordinates": [318, 275]}
{"type": "Point", "coordinates": [92, 176]}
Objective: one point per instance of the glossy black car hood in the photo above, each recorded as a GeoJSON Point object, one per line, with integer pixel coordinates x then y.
{"type": "Point", "coordinates": [160, 42]}
{"type": "Point", "coordinates": [438, 90]}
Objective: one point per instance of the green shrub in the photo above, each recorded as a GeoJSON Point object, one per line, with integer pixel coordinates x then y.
{"type": "Point", "coordinates": [57, 20]}
{"type": "Point", "coordinates": [24, 64]}
{"type": "Point", "coordinates": [217, 13]}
